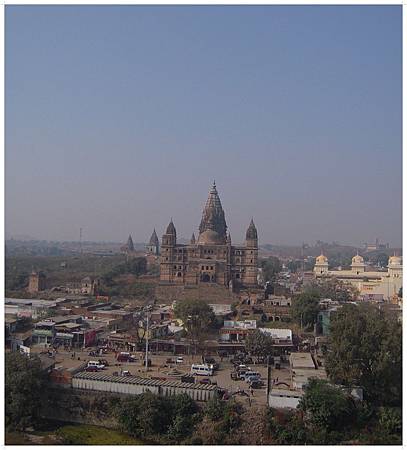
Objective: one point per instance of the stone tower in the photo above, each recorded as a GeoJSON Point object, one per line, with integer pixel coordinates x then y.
{"type": "Point", "coordinates": [36, 282]}
{"type": "Point", "coordinates": [130, 244]}
{"type": "Point", "coordinates": [153, 247]}
{"type": "Point", "coordinates": [168, 243]}
{"type": "Point", "coordinates": [251, 255]}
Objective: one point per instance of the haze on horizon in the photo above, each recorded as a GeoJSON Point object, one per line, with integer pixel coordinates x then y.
{"type": "Point", "coordinates": [119, 117]}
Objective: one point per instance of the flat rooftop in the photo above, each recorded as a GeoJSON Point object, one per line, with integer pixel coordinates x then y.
{"type": "Point", "coordinates": [143, 381]}
{"type": "Point", "coordinates": [301, 361]}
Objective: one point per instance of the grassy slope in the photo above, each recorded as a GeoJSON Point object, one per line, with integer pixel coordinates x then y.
{"type": "Point", "coordinates": [72, 435]}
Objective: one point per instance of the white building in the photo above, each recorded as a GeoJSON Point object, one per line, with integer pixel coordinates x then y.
{"type": "Point", "coordinates": [382, 283]}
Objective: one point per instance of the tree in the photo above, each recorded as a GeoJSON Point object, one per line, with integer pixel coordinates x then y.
{"type": "Point", "coordinates": [163, 419]}
{"type": "Point", "coordinates": [304, 308]}
{"type": "Point", "coordinates": [270, 267]}
{"type": "Point", "coordinates": [259, 344]}
{"type": "Point", "coordinates": [365, 350]}
{"type": "Point", "coordinates": [24, 382]}
{"type": "Point", "coordinates": [286, 426]}
{"type": "Point", "coordinates": [145, 415]}
{"type": "Point", "coordinates": [326, 407]}
{"type": "Point", "coordinates": [197, 316]}
{"type": "Point", "coordinates": [335, 290]}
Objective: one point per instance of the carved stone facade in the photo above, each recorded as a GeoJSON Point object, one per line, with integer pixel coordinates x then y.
{"type": "Point", "coordinates": [211, 258]}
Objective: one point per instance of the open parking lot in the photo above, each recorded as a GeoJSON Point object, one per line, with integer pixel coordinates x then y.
{"type": "Point", "coordinates": [161, 369]}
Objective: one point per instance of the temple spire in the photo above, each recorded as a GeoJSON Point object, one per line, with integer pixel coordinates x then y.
{"type": "Point", "coordinates": [213, 216]}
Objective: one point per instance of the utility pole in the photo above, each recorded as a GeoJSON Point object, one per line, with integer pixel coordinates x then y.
{"type": "Point", "coordinates": [146, 357]}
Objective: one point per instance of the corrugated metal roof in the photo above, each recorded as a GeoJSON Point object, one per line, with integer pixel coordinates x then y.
{"type": "Point", "coordinates": [144, 381]}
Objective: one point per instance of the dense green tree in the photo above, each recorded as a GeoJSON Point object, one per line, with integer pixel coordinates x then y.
{"type": "Point", "coordinates": [197, 317]}
{"type": "Point", "coordinates": [270, 268]}
{"type": "Point", "coordinates": [390, 420]}
{"type": "Point", "coordinates": [135, 266]}
{"type": "Point", "coordinates": [304, 307]}
{"type": "Point", "coordinates": [259, 344]}
{"type": "Point", "coordinates": [326, 407]}
{"type": "Point", "coordinates": [215, 408]}
{"type": "Point", "coordinates": [24, 382]}
{"type": "Point", "coordinates": [365, 350]}
{"type": "Point", "coordinates": [163, 419]}
{"type": "Point", "coordinates": [335, 289]}
{"type": "Point", "coordinates": [145, 415]}
{"type": "Point", "coordinates": [286, 427]}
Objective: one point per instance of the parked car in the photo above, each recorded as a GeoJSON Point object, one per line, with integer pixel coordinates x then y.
{"type": "Point", "coordinates": [126, 373]}
{"type": "Point", "coordinates": [125, 357]}
{"type": "Point", "coordinates": [252, 378]}
{"type": "Point", "coordinates": [91, 369]}
{"type": "Point", "coordinates": [179, 360]}
{"type": "Point", "coordinates": [96, 364]}
{"type": "Point", "coordinates": [211, 361]}
{"type": "Point", "coordinates": [256, 384]}
{"type": "Point", "coordinates": [235, 376]}
{"type": "Point", "coordinates": [187, 379]}
{"type": "Point", "coordinates": [104, 362]}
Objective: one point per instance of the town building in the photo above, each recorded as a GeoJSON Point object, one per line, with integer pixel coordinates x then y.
{"type": "Point", "coordinates": [386, 283]}
{"type": "Point", "coordinates": [211, 258]}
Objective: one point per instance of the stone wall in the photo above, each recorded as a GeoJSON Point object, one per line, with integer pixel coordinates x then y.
{"type": "Point", "coordinates": [78, 406]}
{"type": "Point", "coordinates": [208, 293]}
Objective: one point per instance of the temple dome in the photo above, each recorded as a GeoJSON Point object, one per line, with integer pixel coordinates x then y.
{"type": "Point", "coordinates": [321, 259]}
{"type": "Point", "coordinates": [395, 260]}
{"type": "Point", "coordinates": [357, 259]}
{"type": "Point", "coordinates": [210, 237]}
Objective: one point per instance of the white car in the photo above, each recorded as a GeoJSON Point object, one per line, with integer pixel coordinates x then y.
{"type": "Point", "coordinates": [179, 360]}
{"type": "Point", "coordinates": [96, 364]}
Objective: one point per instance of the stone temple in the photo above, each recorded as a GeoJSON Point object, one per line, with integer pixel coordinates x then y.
{"type": "Point", "coordinates": [211, 258]}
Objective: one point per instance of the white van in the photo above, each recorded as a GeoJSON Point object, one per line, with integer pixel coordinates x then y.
{"type": "Point", "coordinates": [201, 369]}
{"type": "Point", "coordinates": [96, 364]}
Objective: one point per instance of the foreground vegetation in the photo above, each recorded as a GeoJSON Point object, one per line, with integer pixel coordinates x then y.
{"type": "Point", "coordinates": [73, 434]}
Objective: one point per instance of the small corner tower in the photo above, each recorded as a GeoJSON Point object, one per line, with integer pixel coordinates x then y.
{"type": "Point", "coordinates": [321, 265]}
{"type": "Point", "coordinates": [250, 256]}
{"type": "Point", "coordinates": [358, 264]}
{"type": "Point", "coordinates": [153, 247]}
{"type": "Point", "coordinates": [168, 243]}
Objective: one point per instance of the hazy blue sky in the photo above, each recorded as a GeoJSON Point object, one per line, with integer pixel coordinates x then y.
{"type": "Point", "coordinates": [118, 118]}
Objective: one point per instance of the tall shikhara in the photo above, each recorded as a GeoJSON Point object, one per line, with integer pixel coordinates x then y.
{"type": "Point", "coordinates": [211, 258]}
{"type": "Point", "coordinates": [213, 216]}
